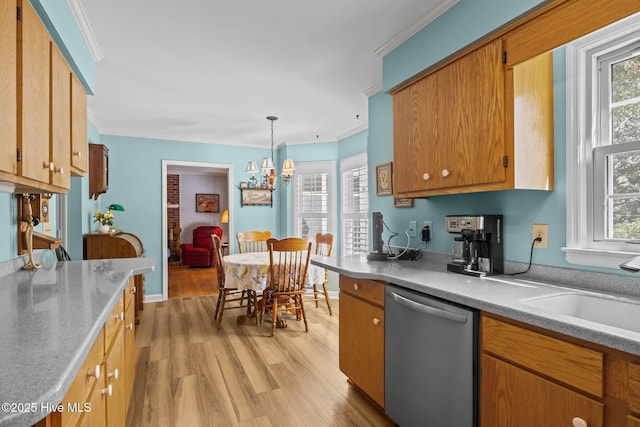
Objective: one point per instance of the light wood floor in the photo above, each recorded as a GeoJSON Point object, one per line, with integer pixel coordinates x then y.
{"type": "Point", "coordinates": [186, 281]}
{"type": "Point", "coordinates": [191, 373]}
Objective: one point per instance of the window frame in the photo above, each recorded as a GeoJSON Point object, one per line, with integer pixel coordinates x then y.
{"type": "Point", "coordinates": [348, 164]}
{"type": "Point", "coordinates": [584, 245]}
{"type": "Point", "coordinates": [310, 168]}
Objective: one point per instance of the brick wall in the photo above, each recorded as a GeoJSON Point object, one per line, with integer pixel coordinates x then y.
{"type": "Point", "coordinates": [173, 213]}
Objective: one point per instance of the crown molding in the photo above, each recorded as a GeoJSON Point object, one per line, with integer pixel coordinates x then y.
{"type": "Point", "coordinates": [353, 131]}
{"type": "Point", "coordinates": [83, 23]}
{"type": "Point", "coordinates": [376, 88]}
{"type": "Point", "coordinates": [400, 38]}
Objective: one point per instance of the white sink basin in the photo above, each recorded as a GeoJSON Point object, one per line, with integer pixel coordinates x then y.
{"type": "Point", "coordinates": [610, 311]}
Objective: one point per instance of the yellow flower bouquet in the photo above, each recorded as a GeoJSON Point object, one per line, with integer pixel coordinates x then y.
{"type": "Point", "coordinates": [104, 218]}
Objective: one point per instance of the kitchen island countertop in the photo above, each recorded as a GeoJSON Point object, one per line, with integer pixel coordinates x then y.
{"type": "Point", "coordinates": [500, 294]}
{"type": "Point", "coordinates": [49, 320]}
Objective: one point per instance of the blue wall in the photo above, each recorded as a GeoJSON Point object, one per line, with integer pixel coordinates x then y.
{"type": "Point", "coordinates": [467, 21]}
{"type": "Point", "coordinates": [135, 178]}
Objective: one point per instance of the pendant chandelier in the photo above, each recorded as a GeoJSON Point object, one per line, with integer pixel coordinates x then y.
{"type": "Point", "coordinates": [267, 167]}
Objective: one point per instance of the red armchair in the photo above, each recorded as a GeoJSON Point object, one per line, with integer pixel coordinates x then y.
{"type": "Point", "coordinates": [200, 253]}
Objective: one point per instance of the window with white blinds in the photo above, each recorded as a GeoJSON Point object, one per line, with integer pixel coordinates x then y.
{"type": "Point", "coordinates": [355, 205]}
{"type": "Point", "coordinates": [312, 199]}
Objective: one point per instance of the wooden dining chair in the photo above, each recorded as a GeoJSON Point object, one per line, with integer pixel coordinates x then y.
{"type": "Point", "coordinates": [253, 241]}
{"type": "Point", "coordinates": [229, 295]}
{"type": "Point", "coordinates": [289, 260]}
{"type": "Point", "coordinates": [324, 246]}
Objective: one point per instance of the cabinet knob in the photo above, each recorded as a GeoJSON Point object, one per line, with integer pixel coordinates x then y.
{"type": "Point", "coordinates": [94, 372]}
{"type": "Point", "coordinates": [113, 374]}
{"type": "Point", "coordinates": [129, 326]}
{"type": "Point", "coordinates": [120, 316]}
{"type": "Point", "coordinates": [445, 173]}
{"type": "Point", "coordinates": [426, 176]}
{"type": "Point", "coordinates": [78, 154]}
{"type": "Point", "coordinates": [376, 321]}
{"type": "Point", "coordinates": [579, 422]}
{"type": "Point", "coordinates": [133, 290]}
{"type": "Point", "coordinates": [59, 170]}
{"type": "Point", "coordinates": [108, 391]}
{"type": "Point", "coordinates": [49, 166]}
{"type": "Point", "coordinates": [356, 286]}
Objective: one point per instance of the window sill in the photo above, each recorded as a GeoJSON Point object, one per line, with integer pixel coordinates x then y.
{"type": "Point", "coordinates": [597, 257]}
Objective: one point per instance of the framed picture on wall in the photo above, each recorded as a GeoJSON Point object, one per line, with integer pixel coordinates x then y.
{"type": "Point", "coordinates": [402, 203]}
{"type": "Point", "coordinates": [256, 197]}
{"type": "Point", "coordinates": [383, 179]}
{"type": "Point", "coordinates": [207, 203]}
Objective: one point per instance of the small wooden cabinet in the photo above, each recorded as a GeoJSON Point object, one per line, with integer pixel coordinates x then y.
{"type": "Point", "coordinates": [33, 95]}
{"type": "Point", "coordinates": [60, 143]}
{"type": "Point", "coordinates": [361, 335]}
{"type": "Point", "coordinates": [467, 126]}
{"type": "Point", "coordinates": [118, 245]}
{"type": "Point", "coordinates": [79, 145]}
{"type": "Point", "coordinates": [533, 377]}
{"type": "Point", "coordinates": [98, 170]}
{"type": "Point", "coordinates": [36, 129]}
{"type": "Point", "coordinates": [8, 87]}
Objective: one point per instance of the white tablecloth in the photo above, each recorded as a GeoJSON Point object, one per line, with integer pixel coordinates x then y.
{"type": "Point", "coordinates": [251, 271]}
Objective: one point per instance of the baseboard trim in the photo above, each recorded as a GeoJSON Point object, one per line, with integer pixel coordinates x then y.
{"type": "Point", "coordinates": [153, 298]}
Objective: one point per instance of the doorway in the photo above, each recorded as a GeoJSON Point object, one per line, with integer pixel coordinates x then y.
{"type": "Point", "coordinates": [226, 202]}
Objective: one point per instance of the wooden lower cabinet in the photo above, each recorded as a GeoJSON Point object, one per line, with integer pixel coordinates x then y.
{"type": "Point", "coordinates": [535, 377]}
{"type": "Point", "coordinates": [361, 335]}
{"type": "Point", "coordinates": [99, 395]}
{"type": "Point", "coordinates": [520, 398]}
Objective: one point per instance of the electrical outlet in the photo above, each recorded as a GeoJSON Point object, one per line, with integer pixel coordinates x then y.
{"type": "Point", "coordinates": [430, 225]}
{"type": "Point", "coordinates": [542, 231]}
{"type": "Point", "coordinates": [413, 232]}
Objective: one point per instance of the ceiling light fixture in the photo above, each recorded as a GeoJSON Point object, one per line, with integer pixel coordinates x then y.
{"type": "Point", "coordinates": [267, 168]}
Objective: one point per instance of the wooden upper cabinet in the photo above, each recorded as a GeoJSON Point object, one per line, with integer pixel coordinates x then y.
{"type": "Point", "coordinates": [449, 126]}
{"type": "Point", "coordinates": [415, 135]}
{"type": "Point", "coordinates": [471, 110]}
{"type": "Point", "coordinates": [458, 130]}
{"type": "Point", "coordinates": [60, 143]}
{"type": "Point", "coordinates": [8, 87]}
{"type": "Point", "coordinates": [33, 96]}
{"type": "Point", "coordinates": [79, 143]}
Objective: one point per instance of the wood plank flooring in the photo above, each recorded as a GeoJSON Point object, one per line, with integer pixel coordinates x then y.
{"type": "Point", "coordinates": [191, 373]}
{"type": "Point", "coordinates": [186, 281]}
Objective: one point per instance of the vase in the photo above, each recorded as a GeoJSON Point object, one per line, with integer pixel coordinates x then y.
{"type": "Point", "coordinates": [104, 228]}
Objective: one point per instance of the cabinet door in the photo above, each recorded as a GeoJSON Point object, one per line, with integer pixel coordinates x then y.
{"type": "Point", "coordinates": [471, 112]}
{"type": "Point", "coordinates": [361, 342]}
{"type": "Point", "coordinates": [79, 144]}
{"type": "Point", "coordinates": [60, 118]}
{"type": "Point", "coordinates": [8, 87]}
{"type": "Point", "coordinates": [116, 403]}
{"type": "Point", "coordinates": [33, 96]}
{"type": "Point", "coordinates": [415, 136]}
{"type": "Point", "coordinates": [511, 396]}
{"type": "Point", "coordinates": [130, 349]}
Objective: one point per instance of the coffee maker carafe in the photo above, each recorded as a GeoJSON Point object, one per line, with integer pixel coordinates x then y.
{"type": "Point", "coordinates": [478, 249]}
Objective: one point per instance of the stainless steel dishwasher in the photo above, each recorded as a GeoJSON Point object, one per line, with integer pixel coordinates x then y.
{"type": "Point", "coordinates": [431, 361]}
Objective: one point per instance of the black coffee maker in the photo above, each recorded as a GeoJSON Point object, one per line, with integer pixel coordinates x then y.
{"type": "Point", "coordinates": [478, 249]}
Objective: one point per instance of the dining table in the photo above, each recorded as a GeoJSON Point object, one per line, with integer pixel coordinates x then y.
{"type": "Point", "coordinates": [249, 271]}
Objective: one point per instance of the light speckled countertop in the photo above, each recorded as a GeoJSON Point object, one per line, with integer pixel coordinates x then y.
{"type": "Point", "coordinates": [502, 294]}
{"type": "Point", "coordinates": [49, 319]}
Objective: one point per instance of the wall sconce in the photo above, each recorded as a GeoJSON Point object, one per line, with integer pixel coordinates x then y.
{"type": "Point", "coordinates": [224, 218]}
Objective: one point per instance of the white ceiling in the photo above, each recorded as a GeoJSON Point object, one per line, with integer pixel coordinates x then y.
{"type": "Point", "coordinates": [211, 71]}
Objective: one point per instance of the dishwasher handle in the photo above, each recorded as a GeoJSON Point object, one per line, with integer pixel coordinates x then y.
{"type": "Point", "coordinates": [428, 310]}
